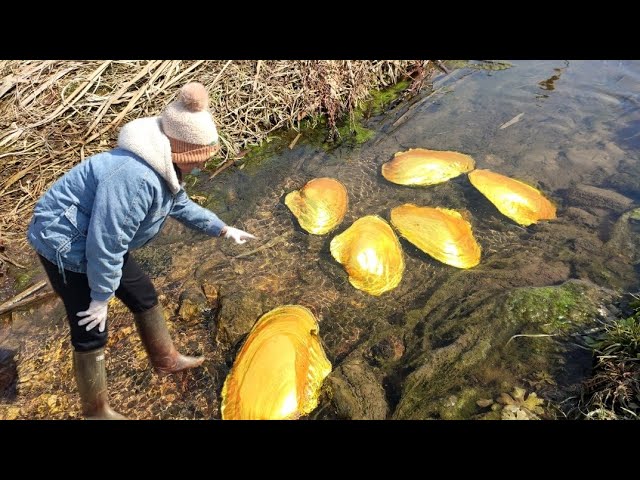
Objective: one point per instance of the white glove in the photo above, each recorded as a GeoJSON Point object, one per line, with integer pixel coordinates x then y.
{"type": "Point", "coordinates": [96, 314]}
{"type": "Point", "coordinates": [238, 235]}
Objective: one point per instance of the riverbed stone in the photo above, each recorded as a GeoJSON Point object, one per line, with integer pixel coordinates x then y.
{"type": "Point", "coordinates": [356, 392]}
{"type": "Point", "coordinates": [239, 311]}
{"type": "Point", "coordinates": [590, 197]}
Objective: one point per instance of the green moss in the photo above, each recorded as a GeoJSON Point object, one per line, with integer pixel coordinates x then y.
{"type": "Point", "coordinates": [314, 122]}
{"type": "Point", "coordinates": [362, 134]}
{"type": "Point", "coordinates": [270, 146]}
{"type": "Point", "coordinates": [459, 407]}
{"type": "Point", "coordinates": [354, 133]}
{"type": "Point", "coordinates": [414, 316]}
{"type": "Point", "coordinates": [556, 308]}
{"type": "Point", "coordinates": [22, 280]}
{"type": "Point", "coordinates": [635, 214]}
{"type": "Point", "coordinates": [475, 355]}
{"type": "Point", "coordinates": [314, 130]}
{"type": "Point", "coordinates": [380, 99]}
{"type": "Point", "coordinates": [352, 130]}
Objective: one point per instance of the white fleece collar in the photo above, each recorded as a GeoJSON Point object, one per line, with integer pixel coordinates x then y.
{"type": "Point", "coordinates": [145, 138]}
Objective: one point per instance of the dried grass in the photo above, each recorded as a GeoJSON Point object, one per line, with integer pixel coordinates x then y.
{"type": "Point", "coordinates": [53, 114]}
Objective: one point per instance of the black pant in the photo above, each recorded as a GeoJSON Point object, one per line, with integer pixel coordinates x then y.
{"type": "Point", "coordinates": [136, 291]}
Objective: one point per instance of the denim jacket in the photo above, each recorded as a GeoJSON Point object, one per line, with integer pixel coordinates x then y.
{"type": "Point", "coordinates": [111, 203]}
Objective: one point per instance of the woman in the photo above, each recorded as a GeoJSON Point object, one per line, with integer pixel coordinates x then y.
{"type": "Point", "coordinates": [84, 226]}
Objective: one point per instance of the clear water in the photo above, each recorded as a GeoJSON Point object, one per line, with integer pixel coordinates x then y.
{"type": "Point", "coordinates": [579, 128]}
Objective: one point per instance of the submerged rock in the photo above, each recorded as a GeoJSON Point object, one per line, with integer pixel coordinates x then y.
{"type": "Point", "coordinates": [591, 198]}
{"type": "Point", "coordinates": [356, 393]}
{"type": "Point", "coordinates": [582, 217]}
{"type": "Point", "coordinates": [625, 237]}
{"type": "Point", "coordinates": [480, 327]}
{"type": "Point", "coordinates": [387, 351]}
{"type": "Point", "coordinates": [192, 303]}
{"type": "Point", "coordinates": [211, 294]}
{"type": "Point", "coordinates": [238, 312]}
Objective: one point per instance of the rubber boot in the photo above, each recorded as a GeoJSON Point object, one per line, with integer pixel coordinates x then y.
{"type": "Point", "coordinates": [91, 377]}
{"type": "Point", "coordinates": [157, 342]}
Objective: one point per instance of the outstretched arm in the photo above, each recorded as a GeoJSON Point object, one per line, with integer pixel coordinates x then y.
{"type": "Point", "coordinates": [193, 215]}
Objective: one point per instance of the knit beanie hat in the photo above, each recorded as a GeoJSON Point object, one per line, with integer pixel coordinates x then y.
{"type": "Point", "coordinates": [189, 125]}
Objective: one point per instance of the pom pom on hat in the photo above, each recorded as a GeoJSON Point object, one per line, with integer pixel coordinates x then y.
{"type": "Point", "coordinates": [187, 119]}
{"type": "Point", "coordinates": [194, 97]}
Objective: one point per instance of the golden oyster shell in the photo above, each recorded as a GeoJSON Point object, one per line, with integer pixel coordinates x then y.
{"type": "Point", "coordinates": [320, 205]}
{"type": "Point", "coordinates": [439, 232]}
{"type": "Point", "coordinates": [418, 166]}
{"type": "Point", "coordinates": [278, 372]}
{"type": "Point", "coordinates": [517, 200]}
{"type": "Point", "coordinates": [371, 254]}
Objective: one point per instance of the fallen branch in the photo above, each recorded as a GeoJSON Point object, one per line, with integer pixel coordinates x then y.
{"type": "Point", "coordinates": [18, 300]}
{"type": "Point", "coordinates": [27, 301]}
{"type": "Point", "coordinates": [295, 140]}
{"type": "Point", "coordinates": [222, 168]}
{"type": "Point", "coordinates": [4, 258]}
{"type": "Point", "coordinates": [269, 244]}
